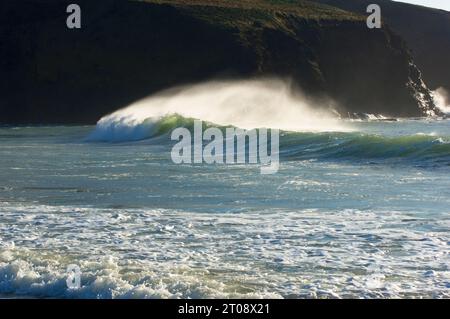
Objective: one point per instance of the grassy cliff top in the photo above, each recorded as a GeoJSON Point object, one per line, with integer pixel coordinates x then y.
{"type": "Point", "coordinates": [237, 13]}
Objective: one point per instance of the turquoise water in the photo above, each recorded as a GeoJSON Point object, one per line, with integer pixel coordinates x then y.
{"type": "Point", "coordinates": [364, 213]}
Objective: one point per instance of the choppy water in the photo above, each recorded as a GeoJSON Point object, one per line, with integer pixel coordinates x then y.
{"type": "Point", "coordinates": [364, 213]}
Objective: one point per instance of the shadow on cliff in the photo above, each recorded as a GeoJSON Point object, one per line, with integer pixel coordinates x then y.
{"type": "Point", "coordinates": [128, 50]}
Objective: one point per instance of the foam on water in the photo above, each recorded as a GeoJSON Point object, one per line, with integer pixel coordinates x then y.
{"type": "Point", "coordinates": [140, 226]}
{"type": "Point", "coordinates": [133, 253]}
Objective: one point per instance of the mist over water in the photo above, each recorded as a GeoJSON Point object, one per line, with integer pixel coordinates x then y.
{"type": "Point", "coordinates": [247, 104]}
{"type": "Point", "coordinates": [442, 100]}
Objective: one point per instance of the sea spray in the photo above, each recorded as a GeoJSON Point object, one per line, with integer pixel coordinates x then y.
{"type": "Point", "coordinates": [442, 100]}
{"type": "Point", "coordinates": [246, 104]}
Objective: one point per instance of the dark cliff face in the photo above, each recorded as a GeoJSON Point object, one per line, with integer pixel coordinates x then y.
{"type": "Point", "coordinates": [425, 30]}
{"type": "Point", "coordinates": [123, 52]}
{"type": "Point", "coordinates": [369, 71]}
{"type": "Point", "coordinates": [127, 50]}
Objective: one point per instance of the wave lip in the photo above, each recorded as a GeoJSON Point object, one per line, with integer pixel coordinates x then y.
{"type": "Point", "coordinates": [124, 129]}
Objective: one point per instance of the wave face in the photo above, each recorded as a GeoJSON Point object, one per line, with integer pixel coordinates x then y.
{"type": "Point", "coordinates": [417, 148]}
{"type": "Point", "coordinates": [247, 104]}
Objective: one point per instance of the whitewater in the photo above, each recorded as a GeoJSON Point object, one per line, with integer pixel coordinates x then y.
{"type": "Point", "coordinates": [358, 208]}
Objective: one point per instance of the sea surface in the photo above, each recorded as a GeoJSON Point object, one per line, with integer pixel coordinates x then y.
{"type": "Point", "coordinates": [363, 213]}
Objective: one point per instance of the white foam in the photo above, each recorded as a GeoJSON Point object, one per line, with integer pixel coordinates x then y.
{"type": "Point", "coordinates": [137, 253]}
{"type": "Point", "coordinates": [441, 99]}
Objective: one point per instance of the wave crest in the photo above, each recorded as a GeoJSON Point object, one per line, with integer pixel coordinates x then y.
{"type": "Point", "coordinates": [247, 104]}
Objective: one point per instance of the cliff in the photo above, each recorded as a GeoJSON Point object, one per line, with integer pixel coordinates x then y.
{"type": "Point", "coordinates": [425, 30]}
{"type": "Point", "coordinates": [127, 50]}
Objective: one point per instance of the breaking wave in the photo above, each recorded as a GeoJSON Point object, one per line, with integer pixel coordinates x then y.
{"type": "Point", "coordinates": [307, 132]}
{"type": "Point", "coordinates": [245, 104]}
{"type": "Point", "coordinates": [418, 148]}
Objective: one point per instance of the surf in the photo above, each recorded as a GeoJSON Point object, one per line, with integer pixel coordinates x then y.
{"type": "Point", "coordinates": [442, 100]}
{"type": "Point", "coordinates": [246, 104]}
{"type": "Point", "coordinates": [308, 131]}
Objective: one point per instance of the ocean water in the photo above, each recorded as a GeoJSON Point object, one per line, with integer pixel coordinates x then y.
{"type": "Point", "coordinates": [360, 213]}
